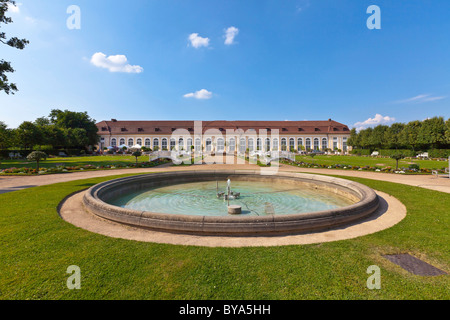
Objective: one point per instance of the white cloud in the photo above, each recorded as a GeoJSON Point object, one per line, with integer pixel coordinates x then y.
{"type": "Point", "coordinates": [197, 41]}
{"type": "Point", "coordinates": [421, 99]}
{"type": "Point", "coordinates": [117, 63]}
{"type": "Point", "coordinates": [230, 34]}
{"type": "Point", "coordinates": [202, 94]}
{"type": "Point", "coordinates": [373, 122]}
{"type": "Point", "coordinates": [14, 8]}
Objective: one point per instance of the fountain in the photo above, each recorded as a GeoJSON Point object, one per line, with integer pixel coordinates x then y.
{"type": "Point", "coordinates": [229, 194]}
{"type": "Point", "coordinates": [186, 201]}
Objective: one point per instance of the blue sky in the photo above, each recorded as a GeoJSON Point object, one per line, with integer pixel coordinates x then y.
{"type": "Point", "coordinates": [288, 60]}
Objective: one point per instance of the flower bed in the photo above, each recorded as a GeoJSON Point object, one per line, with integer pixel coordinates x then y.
{"type": "Point", "coordinates": [387, 169]}
{"type": "Point", "coordinates": [65, 169]}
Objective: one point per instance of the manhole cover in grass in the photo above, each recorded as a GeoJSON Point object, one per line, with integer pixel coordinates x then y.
{"type": "Point", "coordinates": [414, 265]}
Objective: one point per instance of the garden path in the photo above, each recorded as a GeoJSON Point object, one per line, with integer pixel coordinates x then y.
{"type": "Point", "coordinates": [13, 183]}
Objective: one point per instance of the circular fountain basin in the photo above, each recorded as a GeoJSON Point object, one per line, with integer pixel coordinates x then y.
{"type": "Point", "coordinates": [187, 202]}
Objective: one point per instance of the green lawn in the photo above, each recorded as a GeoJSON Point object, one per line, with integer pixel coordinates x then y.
{"type": "Point", "coordinates": [370, 161]}
{"type": "Point", "coordinates": [319, 159]}
{"type": "Point", "coordinates": [37, 246]}
{"type": "Point", "coordinates": [73, 161]}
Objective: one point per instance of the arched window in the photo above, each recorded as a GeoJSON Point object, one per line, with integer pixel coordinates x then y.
{"type": "Point", "coordinates": [139, 142]}
{"type": "Point", "coordinates": [113, 142]}
{"type": "Point", "coordinates": [242, 145]}
{"type": "Point", "coordinates": [181, 144]}
{"type": "Point", "coordinates": [275, 144]}
{"type": "Point", "coordinates": [198, 144]}
{"type": "Point", "coordinates": [220, 145]}
{"type": "Point", "coordinates": [189, 144]}
{"type": "Point", "coordinates": [148, 143]}
{"type": "Point", "coordinates": [258, 144]}
{"type": "Point", "coordinates": [130, 142]}
{"type": "Point", "coordinates": [316, 143]}
{"type": "Point", "coordinates": [122, 141]}
{"type": "Point", "coordinates": [291, 144]}
{"type": "Point", "coordinates": [267, 145]}
{"type": "Point", "coordinates": [232, 145]}
{"type": "Point", "coordinates": [251, 144]}
{"type": "Point", "coordinates": [324, 144]}
{"type": "Point", "coordinates": [208, 144]}
{"type": "Point", "coordinates": [164, 144]}
{"type": "Point", "coordinates": [172, 144]}
{"type": "Point", "coordinates": [283, 144]}
{"type": "Point", "coordinates": [299, 144]}
{"type": "Point", "coordinates": [308, 144]}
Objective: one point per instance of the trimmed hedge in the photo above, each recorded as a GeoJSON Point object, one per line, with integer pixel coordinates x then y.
{"type": "Point", "coordinates": [433, 153]}
{"type": "Point", "coordinates": [439, 153]}
{"type": "Point", "coordinates": [390, 152]}
{"type": "Point", "coordinates": [363, 152]}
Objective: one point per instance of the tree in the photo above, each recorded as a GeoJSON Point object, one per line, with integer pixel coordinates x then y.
{"type": "Point", "coordinates": [353, 141]}
{"type": "Point", "coordinates": [397, 156]}
{"type": "Point", "coordinates": [28, 135]}
{"type": "Point", "coordinates": [409, 135]}
{"type": "Point", "coordinates": [378, 136]}
{"type": "Point", "coordinates": [14, 42]}
{"type": "Point", "coordinates": [5, 136]}
{"type": "Point", "coordinates": [432, 132]}
{"type": "Point", "coordinates": [76, 120]}
{"type": "Point", "coordinates": [37, 156]}
{"type": "Point", "coordinates": [136, 153]}
{"type": "Point", "coordinates": [447, 131]}
{"type": "Point", "coordinates": [392, 135]}
{"type": "Point", "coordinates": [76, 137]}
{"type": "Point", "coordinates": [365, 140]}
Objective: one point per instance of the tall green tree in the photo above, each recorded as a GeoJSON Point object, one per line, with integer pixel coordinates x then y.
{"type": "Point", "coordinates": [5, 136]}
{"type": "Point", "coordinates": [378, 136]}
{"type": "Point", "coordinates": [28, 135]}
{"type": "Point", "coordinates": [353, 141]}
{"type": "Point", "coordinates": [408, 136]}
{"type": "Point", "coordinates": [432, 132]}
{"type": "Point", "coordinates": [70, 120]}
{"type": "Point", "coordinates": [393, 135]}
{"type": "Point", "coordinates": [365, 139]}
{"type": "Point", "coordinates": [447, 131]}
{"type": "Point", "coordinates": [14, 42]}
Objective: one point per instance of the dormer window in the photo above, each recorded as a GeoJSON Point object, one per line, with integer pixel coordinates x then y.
{"type": "Point", "coordinates": [123, 129]}
{"type": "Point", "coordinates": [157, 129]}
{"type": "Point", "coordinates": [316, 129]}
{"type": "Point", "coordinates": [104, 128]}
{"type": "Point", "coordinates": [140, 129]}
{"type": "Point", "coordinates": [300, 129]}
{"type": "Point", "coordinates": [283, 129]}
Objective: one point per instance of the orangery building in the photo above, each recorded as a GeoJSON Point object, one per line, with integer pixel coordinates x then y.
{"type": "Point", "coordinates": [225, 136]}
